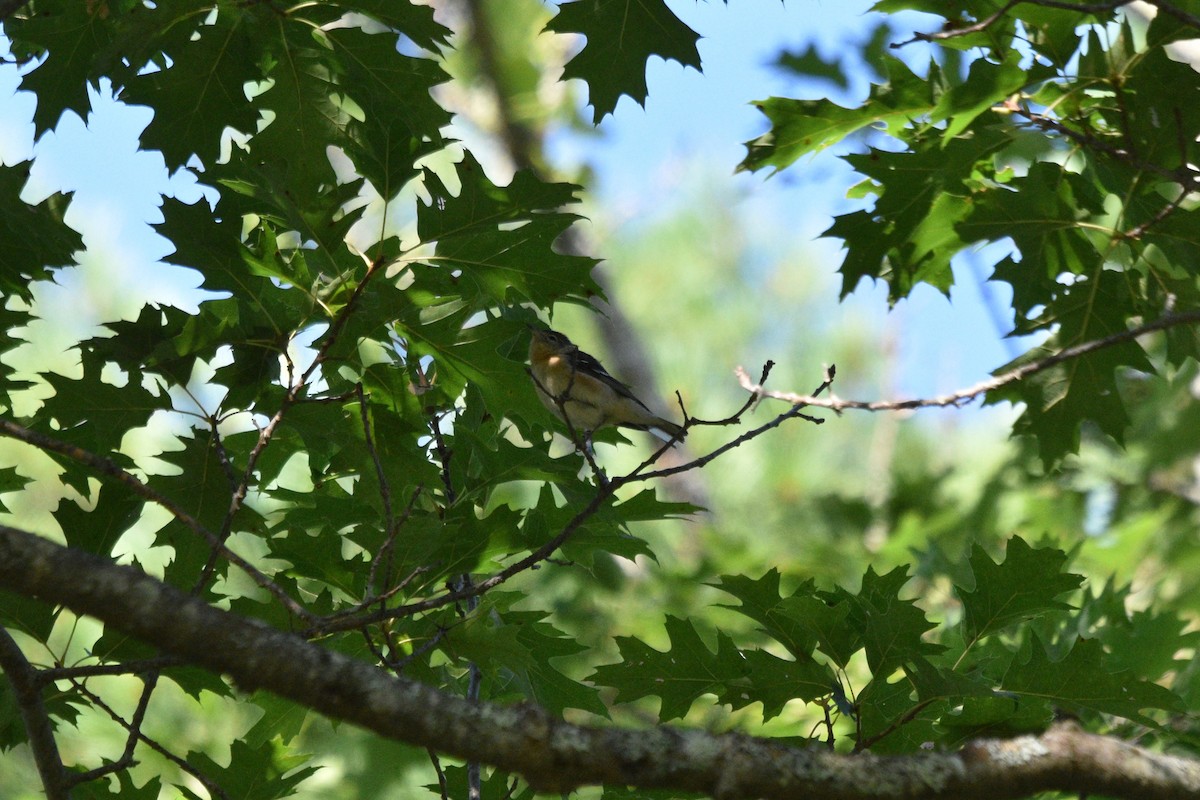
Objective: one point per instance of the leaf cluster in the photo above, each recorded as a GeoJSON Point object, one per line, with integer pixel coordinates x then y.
{"type": "Point", "coordinates": [346, 444]}
{"type": "Point", "coordinates": [1010, 656]}
{"type": "Point", "coordinates": [344, 431]}
{"type": "Point", "coordinates": [1062, 135]}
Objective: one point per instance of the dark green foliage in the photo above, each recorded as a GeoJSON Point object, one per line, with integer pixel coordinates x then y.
{"type": "Point", "coordinates": [621, 36]}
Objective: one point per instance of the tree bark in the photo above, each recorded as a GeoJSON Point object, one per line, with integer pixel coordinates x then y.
{"type": "Point", "coordinates": [556, 756]}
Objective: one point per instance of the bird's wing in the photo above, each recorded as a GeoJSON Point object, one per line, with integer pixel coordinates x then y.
{"type": "Point", "coordinates": [587, 364]}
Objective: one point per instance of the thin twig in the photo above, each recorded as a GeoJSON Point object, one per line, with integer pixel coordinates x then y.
{"type": "Point", "coordinates": [1182, 175]}
{"type": "Point", "coordinates": [319, 629]}
{"type": "Point", "coordinates": [222, 454]}
{"type": "Point", "coordinates": [139, 667]}
{"type": "Point", "coordinates": [989, 21]}
{"type": "Point", "coordinates": [110, 469]}
{"type": "Point", "coordinates": [964, 396]}
{"type": "Point", "coordinates": [792, 413]}
{"type": "Point", "coordinates": [208, 783]}
{"type": "Point", "coordinates": [134, 730]}
{"type": "Point", "coordinates": [868, 742]}
{"type": "Point", "coordinates": [604, 493]}
{"type": "Point", "coordinates": [290, 398]}
{"type": "Point", "coordinates": [385, 493]}
{"type": "Point", "coordinates": [398, 666]}
{"type": "Point", "coordinates": [441, 775]}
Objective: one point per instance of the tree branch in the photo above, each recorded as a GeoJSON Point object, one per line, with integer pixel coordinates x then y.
{"type": "Point", "coordinates": [27, 692]}
{"type": "Point", "coordinates": [555, 756]}
{"type": "Point", "coordinates": [963, 396]}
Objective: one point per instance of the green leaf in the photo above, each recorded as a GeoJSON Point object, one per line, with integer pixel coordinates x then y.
{"type": "Point", "coordinates": [520, 646]}
{"type": "Point", "coordinates": [28, 615]}
{"type": "Point", "coordinates": [10, 481]}
{"type": "Point", "coordinates": [1059, 399]}
{"type": "Point", "coordinates": [893, 630]}
{"type": "Point", "coordinates": [306, 116]}
{"type": "Point", "coordinates": [679, 676]}
{"type": "Point", "coordinates": [402, 121]}
{"type": "Point", "coordinates": [924, 195]}
{"type": "Point", "coordinates": [775, 681]}
{"type": "Point", "coordinates": [494, 784]}
{"type": "Point", "coordinates": [800, 127]}
{"type": "Point", "coordinates": [12, 726]}
{"type": "Point", "coordinates": [417, 22]}
{"type": "Point", "coordinates": [265, 772]}
{"type": "Point", "coordinates": [1001, 714]}
{"type": "Point", "coordinates": [1081, 681]}
{"type": "Point", "coordinates": [809, 63]}
{"type": "Point", "coordinates": [881, 706]}
{"type": "Point", "coordinates": [94, 413]}
{"type": "Point", "coordinates": [126, 789]}
{"type": "Point", "coordinates": [69, 34]}
{"type": "Point", "coordinates": [201, 488]}
{"type": "Point", "coordinates": [785, 622]}
{"type": "Point", "coordinates": [33, 238]}
{"type": "Point", "coordinates": [202, 92]}
{"type": "Point", "coordinates": [986, 85]}
{"type": "Point", "coordinates": [1026, 584]}
{"type": "Point", "coordinates": [281, 718]}
{"type": "Point", "coordinates": [1045, 214]}
{"type": "Point", "coordinates": [826, 623]}
{"type": "Point", "coordinates": [622, 35]}
{"type": "Point", "coordinates": [1148, 642]}
{"type": "Point", "coordinates": [97, 529]}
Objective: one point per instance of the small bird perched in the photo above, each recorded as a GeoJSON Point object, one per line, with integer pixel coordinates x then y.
{"type": "Point", "coordinates": [579, 391]}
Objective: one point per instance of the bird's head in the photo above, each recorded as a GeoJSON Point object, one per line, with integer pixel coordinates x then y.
{"type": "Point", "coordinates": [549, 342]}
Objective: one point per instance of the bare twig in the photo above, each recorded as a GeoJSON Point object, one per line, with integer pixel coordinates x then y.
{"type": "Point", "coordinates": [605, 491]}
{"type": "Point", "coordinates": [791, 413]}
{"type": "Point", "coordinates": [208, 783]}
{"type": "Point", "coordinates": [133, 728]}
{"type": "Point", "coordinates": [441, 775]}
{"type": "Point", "coordinates": [751, 402]}
{"type": "Point", "coordinates": [139, 667]}
{"type": "Point", "coordinates": [385, 494]}
{"type": "Point", "coordinates": [964, 396]}
{"type": "Point", "coordinates": [222, 453]}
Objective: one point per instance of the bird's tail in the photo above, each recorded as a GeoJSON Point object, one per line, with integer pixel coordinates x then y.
{"type": "Point", "coordinates": [664, 429]}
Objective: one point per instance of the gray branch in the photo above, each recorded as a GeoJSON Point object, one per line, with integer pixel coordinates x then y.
{"type": "Point", "coordinates": [555, 756]}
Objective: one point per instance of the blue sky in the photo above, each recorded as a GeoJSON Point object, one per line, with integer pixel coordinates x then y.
{"type": "Point", "coordinates": [691, 119]}
{"type": "Point", "coordinates": [640, 161]}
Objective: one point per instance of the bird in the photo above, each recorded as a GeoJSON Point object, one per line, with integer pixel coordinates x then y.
{"type": "Point", "coordinates": [579, 391]}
